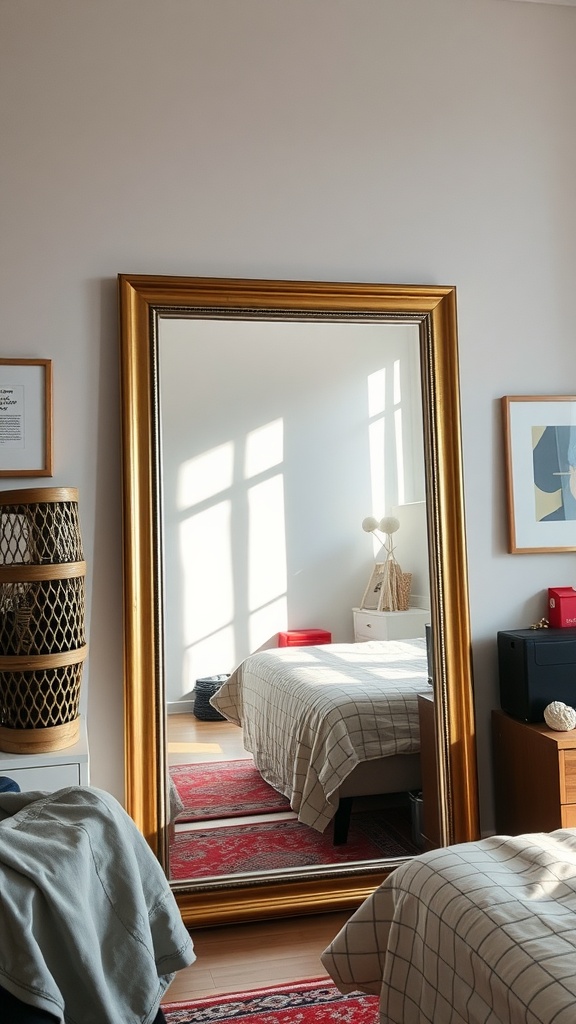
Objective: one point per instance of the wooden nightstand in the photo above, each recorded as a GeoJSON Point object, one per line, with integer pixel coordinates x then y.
{"type": "Point", "coordinates": [389, 625]}
{"type": "Point", "coordinates": [534, 776]}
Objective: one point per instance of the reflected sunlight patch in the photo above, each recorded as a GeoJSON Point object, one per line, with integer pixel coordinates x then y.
{"type": "Point", "coordinates": [264, 448]}
{"type": "Point", "coordinates": [205, 476]}
{"type": "Point", "coordinates": [194, 748]}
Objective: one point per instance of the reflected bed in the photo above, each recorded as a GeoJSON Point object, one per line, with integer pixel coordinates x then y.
{"type": "Point", "coordinates": [338, 720]}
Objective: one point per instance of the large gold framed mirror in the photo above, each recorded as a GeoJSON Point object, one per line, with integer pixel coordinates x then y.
{"type": "Point", "coordinates": [151, 309]}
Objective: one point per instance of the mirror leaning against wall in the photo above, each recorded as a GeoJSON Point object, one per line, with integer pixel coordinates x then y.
{"type": "Point", "coordinates": [252, 437]}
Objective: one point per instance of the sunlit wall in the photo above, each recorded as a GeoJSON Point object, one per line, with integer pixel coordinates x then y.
{"type": "Point", "coordinates": [277, 440]}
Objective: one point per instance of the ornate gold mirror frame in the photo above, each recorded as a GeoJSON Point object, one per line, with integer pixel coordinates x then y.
{"type": "Point", "coordinates": [144, 300]}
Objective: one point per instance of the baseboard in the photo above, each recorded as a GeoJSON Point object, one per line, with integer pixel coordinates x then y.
{"type": "Point", "coordinates": [180, 707]}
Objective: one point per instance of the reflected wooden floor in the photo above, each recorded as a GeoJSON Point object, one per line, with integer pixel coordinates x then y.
{"type": "Point", "coordinates": [240, 957]}
{"type": "Point", "coordinates": [190, 741]}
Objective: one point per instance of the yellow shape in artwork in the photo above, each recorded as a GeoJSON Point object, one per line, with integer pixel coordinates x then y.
{"type": "Point", "coordinates": [546, 502]}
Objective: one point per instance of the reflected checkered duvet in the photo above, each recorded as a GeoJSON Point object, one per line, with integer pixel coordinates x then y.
{"type": "Point", "coordinates": [311, 714]}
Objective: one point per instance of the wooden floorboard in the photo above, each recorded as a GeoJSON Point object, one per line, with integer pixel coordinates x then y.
{"type": "Point", "coordinates": [240, 957]}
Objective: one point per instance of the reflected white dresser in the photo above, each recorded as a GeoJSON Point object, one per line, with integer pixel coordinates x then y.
{"type": "Point", "coordinates": [49, 772]}
{"type": "Point", "coordinates": [406, 625]}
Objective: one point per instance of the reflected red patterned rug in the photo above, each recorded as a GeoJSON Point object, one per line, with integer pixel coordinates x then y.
{"type": "Point", "coordinates": [224, 789]}
{"type": "Point", "coordinates": [266, 846]}
{"type": "Point", "coordinates": [304, 1002]}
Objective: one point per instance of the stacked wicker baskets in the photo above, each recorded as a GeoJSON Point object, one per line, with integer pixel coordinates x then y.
{"type": "Point", "coordinates": [42, 611]}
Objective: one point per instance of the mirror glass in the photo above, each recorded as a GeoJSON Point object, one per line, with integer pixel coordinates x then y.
{"type": "Point", "coordinates": [276, 439]}
{"type": "Point", "coordinates": [263, 422]}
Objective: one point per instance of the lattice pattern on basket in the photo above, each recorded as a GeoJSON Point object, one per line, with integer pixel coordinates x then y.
{"type": "Point", "coordinates": [203, 690]}
{"type": "Point", "coordinates": [39, 699]}
{"type": "Point", "coordinates": [40, 533]}
{"type": "Point", "coordinates": [43, 617]}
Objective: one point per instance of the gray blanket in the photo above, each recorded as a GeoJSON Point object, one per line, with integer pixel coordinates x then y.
{"type": "Point", "coordinates": [89, 928]}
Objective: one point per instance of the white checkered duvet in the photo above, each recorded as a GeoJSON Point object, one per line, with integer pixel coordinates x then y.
{"type": "Point", "coordinates": [481, 933]}
{"type": "Point", "coordinates": [310, 714]}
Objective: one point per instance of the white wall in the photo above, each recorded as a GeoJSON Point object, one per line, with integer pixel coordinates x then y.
{"type": "Point", "coordinates": [385, 140]}
{"type": "Point", "coordinates": [278, 439]}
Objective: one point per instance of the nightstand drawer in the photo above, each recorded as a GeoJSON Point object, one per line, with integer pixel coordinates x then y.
{"type": "Point", "coordinates": [368, 626]}
{"type": "Point", "coordinates": [568, 816]}
{"type": "Point", "coordinates": [373, 625]}
{"type": "Point", "coordinates": [49, 779]}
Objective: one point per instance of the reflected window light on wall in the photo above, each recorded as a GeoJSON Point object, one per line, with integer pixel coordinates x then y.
{"type": "Point", "coordinates": [206, 560]}
{"type": "Point", "coordinates": [207, 567]}
{"type": "Point", "coordinates": [264, 448]}
{"type": "Point", "coordinates": [208, 656]}
{"type": "Point", "coordinates": [401, 486]}
{"type": "Point", "coordinates": [267, 572]}
{"type": "Point", "coordinates": [266, 542]}
{"type": "Point", "coordinates": [205, 554]}
{"type": "Point", "coordinates": [263, 623]}
{"type": "Point", "coordinates": [377, 438]}
{"type": "Point", "coordinates": [398, 435]}
{"type": "Point", "coordinates": [205, 476]}
{"type": "Point", "coordinates": [396, 385]}
{"type": "Point", "coordinates": [377, 393]}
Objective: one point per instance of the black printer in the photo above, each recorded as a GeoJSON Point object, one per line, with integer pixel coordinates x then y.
{"type": "Point", "coordinates": [536, 667]}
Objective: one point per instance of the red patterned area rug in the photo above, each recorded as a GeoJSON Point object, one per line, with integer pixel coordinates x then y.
{"type": "Point", "coordinates": [224, 789]}
{"type": "Point", "coordinates": [266, 846]}
{"type": "Point", "coordinates": [306, 1002]}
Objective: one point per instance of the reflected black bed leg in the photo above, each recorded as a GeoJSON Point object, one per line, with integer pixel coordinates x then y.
{"type": "Point", "coordinates": [342, 820]}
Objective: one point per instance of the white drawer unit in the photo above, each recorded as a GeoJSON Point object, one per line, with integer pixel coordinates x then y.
{"type": "Point", "coordinates": [49, 772]}
{"type": "Point", "coordinates": [389, 625]}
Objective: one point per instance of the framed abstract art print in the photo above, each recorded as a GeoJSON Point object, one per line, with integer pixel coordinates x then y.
{"type": "Point", "coordinates": [540, 444]}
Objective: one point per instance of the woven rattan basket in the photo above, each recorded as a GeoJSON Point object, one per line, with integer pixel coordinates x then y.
{"type": "Point", "coordinates": [42, 611]}
{"type": "Point", "coordinates": [204, 689]}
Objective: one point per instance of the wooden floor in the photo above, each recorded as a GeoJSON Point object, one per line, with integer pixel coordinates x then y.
{"type": "Point", "coordinates": [247, 956]}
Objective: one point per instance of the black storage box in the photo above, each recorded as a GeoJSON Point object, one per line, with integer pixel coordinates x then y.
{"type": "Point", "coordinates": [536, 667]}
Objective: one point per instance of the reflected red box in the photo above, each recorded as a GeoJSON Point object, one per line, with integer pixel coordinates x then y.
{"type": "Point", "coordinates": [304, 638]}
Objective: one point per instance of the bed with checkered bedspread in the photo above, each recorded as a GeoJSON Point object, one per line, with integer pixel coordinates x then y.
{"type": "Point", "coordinates": [479, 933]}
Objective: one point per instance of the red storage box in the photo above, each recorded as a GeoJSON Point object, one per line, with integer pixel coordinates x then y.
{"type": "Point", "coordinates": [562, 607]}
{"type": "Point", "coordinates": [304, 638]}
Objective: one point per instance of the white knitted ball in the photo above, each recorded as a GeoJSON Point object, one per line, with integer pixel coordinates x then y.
{"type": "Point", "coordinates": [369, 524]}
{"type": "Point", "coordinates": [559, 716]}
{"type": "Point", "coordinates": [389, 524]}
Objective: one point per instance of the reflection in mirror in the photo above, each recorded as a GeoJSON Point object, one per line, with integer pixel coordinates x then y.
{"type": "Point", "coordinates": [275, 439]}
{"type": "Point", "coordinates": [243, 522]}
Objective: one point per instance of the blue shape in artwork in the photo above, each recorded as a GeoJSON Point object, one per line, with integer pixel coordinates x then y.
{"type": "Point", "coordinates": [554, 467]}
